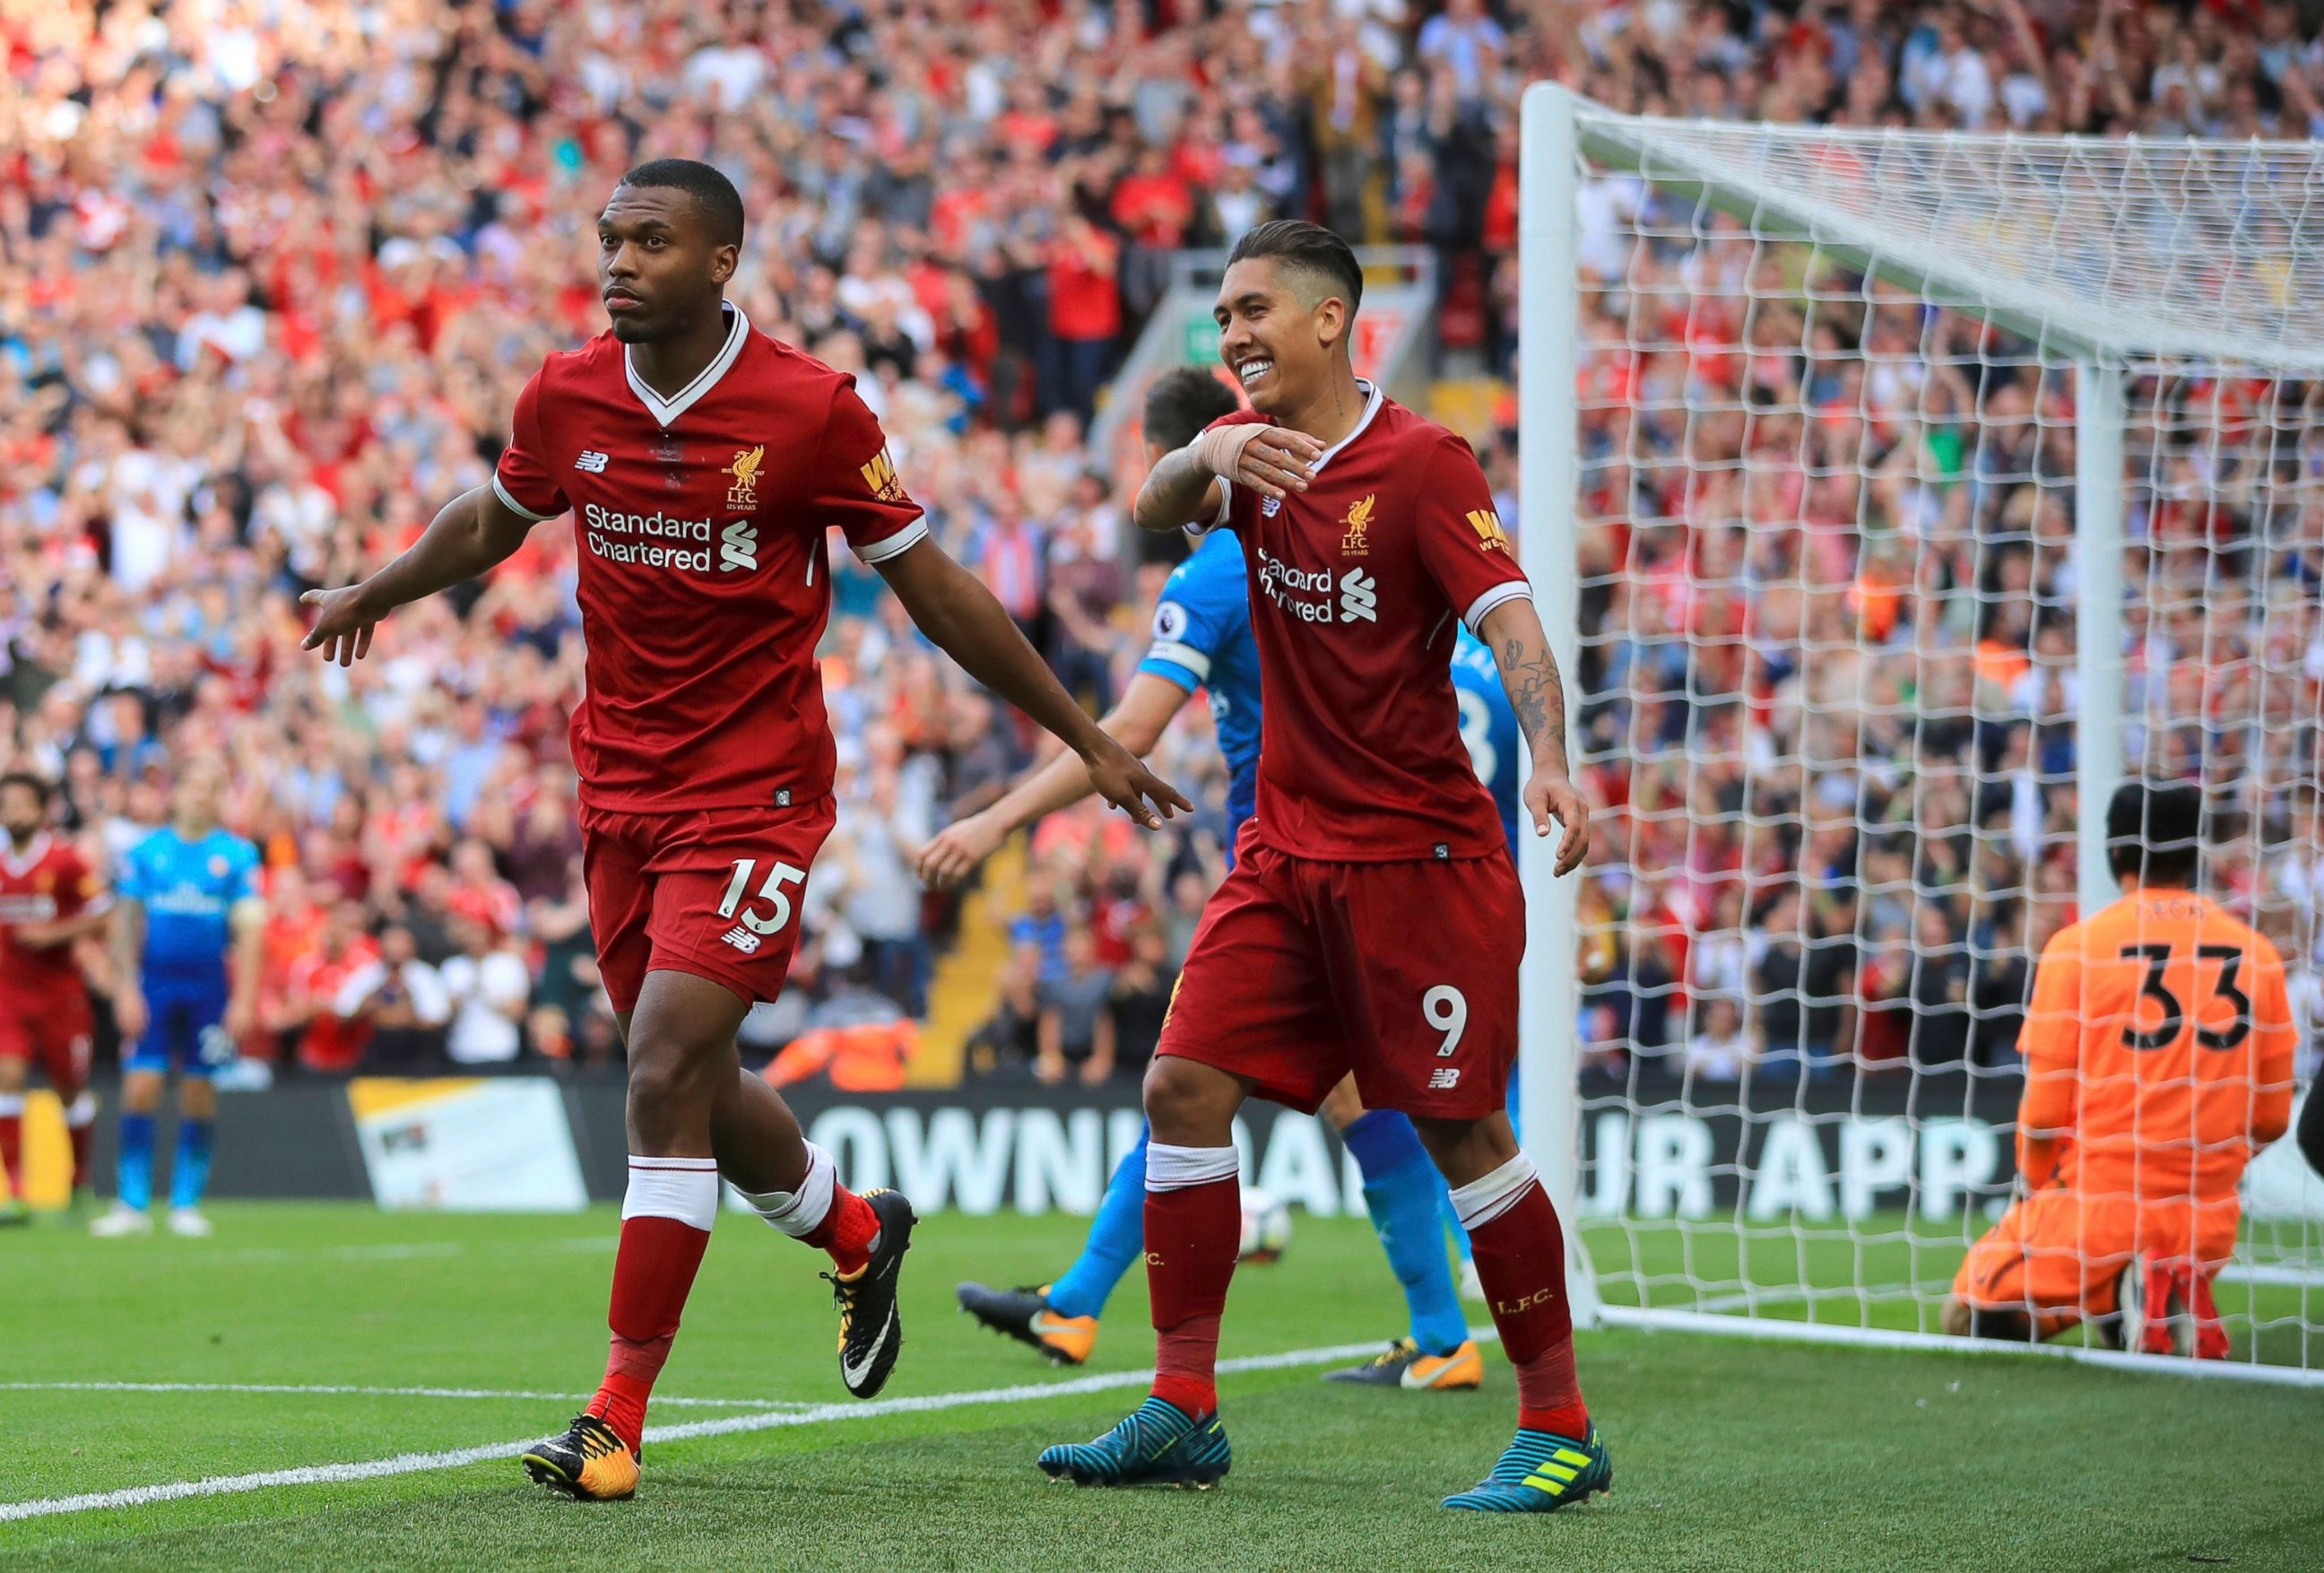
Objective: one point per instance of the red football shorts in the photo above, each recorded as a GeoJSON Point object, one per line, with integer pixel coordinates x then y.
{"type": "Point", "coordinates": [1403, 973]}
{"type": "Point", "coordinates": [50, 1029]}
{"type": "Point", "coordinates": [711, 891]}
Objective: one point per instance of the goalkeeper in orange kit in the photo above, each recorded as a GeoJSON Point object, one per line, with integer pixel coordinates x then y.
{"type": "Point", "coordinates": [2158, 1047]}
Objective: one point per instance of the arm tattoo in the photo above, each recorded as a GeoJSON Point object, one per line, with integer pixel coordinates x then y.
{"type": "Point", "coordinates": [1173, 494]}
{"type": "Point", "coordinates": [1535, 692]}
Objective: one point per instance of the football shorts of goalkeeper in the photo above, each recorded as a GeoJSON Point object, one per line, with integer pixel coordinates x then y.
{"type": "Point", "coordinates": [714, 892]}
{"type": "Point", "coordinates": [1404, 974]}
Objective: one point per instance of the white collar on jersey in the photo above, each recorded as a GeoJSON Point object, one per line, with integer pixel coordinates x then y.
{"type": "Point", "coordinates": [666, 411]}
{"type": "Point", "coordinates": [1372, 397]}
{"type": "Point", "coordinates": [33, 855]}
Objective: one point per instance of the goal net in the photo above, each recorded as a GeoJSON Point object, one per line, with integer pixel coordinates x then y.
{"type": "Point", "coordinates": [1898, 497]}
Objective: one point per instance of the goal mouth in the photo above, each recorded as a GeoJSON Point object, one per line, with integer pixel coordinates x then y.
{"type": "Point", "coordinates": [1894, 499]}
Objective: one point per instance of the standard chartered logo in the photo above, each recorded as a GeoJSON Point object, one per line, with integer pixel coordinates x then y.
{"type": "Point", "coordinates": [1306, 593]}
{"type": "Point", "coordinates": [738, 546]}
{"type": "Point", "coordinates": [657, 540]}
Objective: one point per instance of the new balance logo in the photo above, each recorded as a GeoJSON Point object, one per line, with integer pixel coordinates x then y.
{"type": "Point", "coordinates": [1359, 593]}
{"type": "Point", "coordinates": [738, 546]}
{"type": "Point", "coordinates": [743, 939]}
{"type": "Point", "coordinates": [1487, 524]}
{"type": "Point", "coordinates": [1443, 1078]}
{"type": "Point", "coordinates": [592, 461]}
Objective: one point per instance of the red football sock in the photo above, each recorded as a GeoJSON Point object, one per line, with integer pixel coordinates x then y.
{"type": "Point", "coordinates": [653, 1271]}
{"type": "Point", "coordinates": [846, 1232]}
{"type": "Point", "coordinates": [12, 1146]}
{"type": "Point", "coordinates": [1191, 1237]}
{"type": "Point", "coordinates": [1520, 1255]}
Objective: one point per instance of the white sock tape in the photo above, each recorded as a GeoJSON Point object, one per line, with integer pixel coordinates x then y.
{"type": "Point", "coordinates": [83, 1113]}
{"type": "Point", "coordinates": [1169, 1168]}
{"type": "Point", "coordinates": [684, 1189]}
{"type": "Point", "coordinates": [798, 1213]}
{"type": "Point", "coordinates": [12, 1104]}
{"type": "Point", "coordinates": [1480, 1201]}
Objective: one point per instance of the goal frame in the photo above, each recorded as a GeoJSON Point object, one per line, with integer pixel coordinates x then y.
{"type": "Point", "coordinates": [1558, 129]}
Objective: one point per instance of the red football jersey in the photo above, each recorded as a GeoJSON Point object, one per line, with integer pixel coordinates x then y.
{"type": "Point", "coordinates": [704, 584]}
{"type": "Point", "coordinates": [51, 881]}
{"type": "Point", "coordinates": [1355, 586]}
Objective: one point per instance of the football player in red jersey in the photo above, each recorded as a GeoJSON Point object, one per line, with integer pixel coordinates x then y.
{"type": "Point", "coordinates": [1373, 923]}
{"type": "Point", "coordinates": [50, 897]}
{"type": "Point", "coordinates": [704, 462]}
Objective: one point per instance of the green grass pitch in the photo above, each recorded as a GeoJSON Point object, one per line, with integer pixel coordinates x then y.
{"type": "Point", "coordinates": [1728, 1454]}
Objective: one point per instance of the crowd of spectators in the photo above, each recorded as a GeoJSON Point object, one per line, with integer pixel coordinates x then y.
{"type": "Point", "coordinates": [272, 273]}
{"type": "Point", "coordinates": [1829, 601]}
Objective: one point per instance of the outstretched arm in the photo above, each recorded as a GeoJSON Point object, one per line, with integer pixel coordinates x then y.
{"type": "Point", "coordinates": [475, 532]}
{"type": "Point", "coordinates": [953, 854]}
{"type": "Point", "coordinates": [1512, 631]}
{"type": "Point", "coordinates": [952, 607]}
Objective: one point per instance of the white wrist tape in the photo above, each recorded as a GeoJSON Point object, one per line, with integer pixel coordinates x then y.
{"type": "Point", "coordinates": [1220, 449]}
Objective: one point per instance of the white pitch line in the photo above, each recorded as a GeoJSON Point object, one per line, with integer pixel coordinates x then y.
{"type": "Point", "coordinates": [417, 1462]}
{"type": "Point", "coordinates": [331, 1389]}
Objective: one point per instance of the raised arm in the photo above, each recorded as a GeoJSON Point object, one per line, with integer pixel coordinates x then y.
{"type": "Point", "coordinates": [1183, 487]}
{"type": "Point", "coordinates": [1135, 723]}
{"type": "Point", "coordinates": [1512, 631]}
{"type": "Point", "coordinates": [476, 530]}
{"type": "Point", "coordinates": [953, 608]}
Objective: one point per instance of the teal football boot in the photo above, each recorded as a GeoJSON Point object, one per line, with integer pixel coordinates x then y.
{"type": "Point", "coordinates": [1159, 1444]}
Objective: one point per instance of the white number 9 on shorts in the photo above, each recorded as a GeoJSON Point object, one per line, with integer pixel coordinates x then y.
{"type": "Point", "coordinates": [1447, 1011]}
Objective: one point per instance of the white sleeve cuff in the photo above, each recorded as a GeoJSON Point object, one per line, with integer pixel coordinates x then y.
{"type": "Point", "coordinates": [1226, 505]}
{"type": "Point", "coordinates": [515, 506]}
{"type": "Point", "coordinates": [1509, 591]}
{"type": "Point", "coordinates": [1184, 655]}
{"type": "Point", "coordinates": [888, 546]}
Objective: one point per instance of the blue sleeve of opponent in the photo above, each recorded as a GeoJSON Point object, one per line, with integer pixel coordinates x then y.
{"type": "Point", "coordinates": [1201, 608]}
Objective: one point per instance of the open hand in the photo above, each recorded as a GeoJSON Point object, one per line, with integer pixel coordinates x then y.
{"type": "Point", "coordinates": [953, 854]}
{"type": "Point", "coordinates": [1553, 796]}
{"type": "Point", "coordinates": [1121, 779]}
{"type": "Point", "coordinates": [1276, 461]}
{"type": "Point", "coordinates": [343, 626]}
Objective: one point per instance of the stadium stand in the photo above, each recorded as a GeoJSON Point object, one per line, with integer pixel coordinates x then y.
{"type": "Point", "coordinates": [273, 275]}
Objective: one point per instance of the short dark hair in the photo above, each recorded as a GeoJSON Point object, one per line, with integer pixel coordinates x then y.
{"type": "Point", "coordinates": [37, 785]}
{"type": "Point", "coordinates": [1309, 248]}
{"type": "Point", "coordinates": [1181, 403]}
{"type": "Point", "coordinates": [2155, 832]}
{"type": "Point", "coordinates": [721, 203]}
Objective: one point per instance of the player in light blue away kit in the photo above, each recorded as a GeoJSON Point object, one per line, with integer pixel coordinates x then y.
{"type": "Point", "coordinates": [1488, 730]}
{"type": "Point", "coordinates": [1201, 640]}
{"type": "Point", "coordinates": [186, 954]}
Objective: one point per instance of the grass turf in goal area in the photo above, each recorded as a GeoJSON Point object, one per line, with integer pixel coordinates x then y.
{"type": "Point", "coordinates": [1728, 1455]}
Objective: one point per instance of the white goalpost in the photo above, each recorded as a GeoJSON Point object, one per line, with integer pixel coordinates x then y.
{"type": "Point", "coordinates": [1890, 498]}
